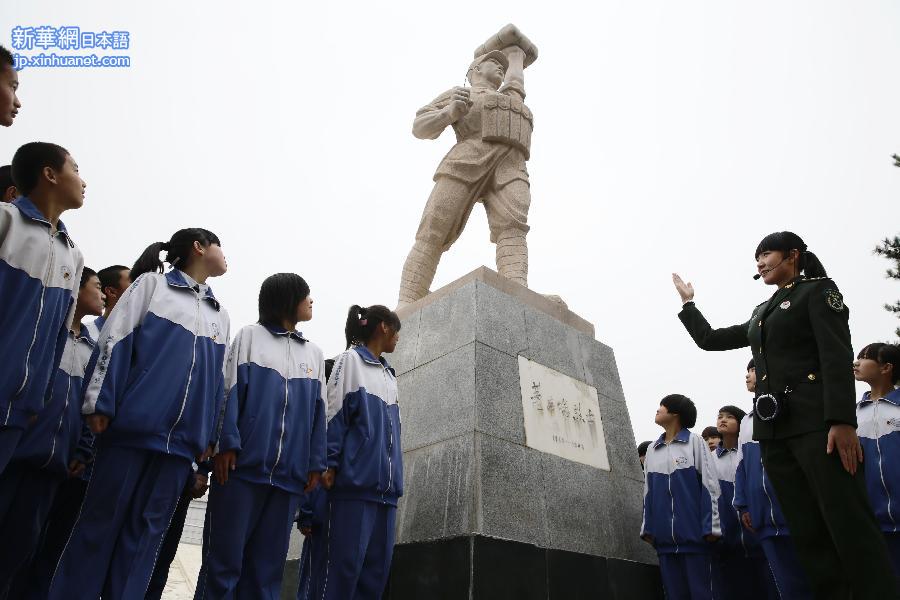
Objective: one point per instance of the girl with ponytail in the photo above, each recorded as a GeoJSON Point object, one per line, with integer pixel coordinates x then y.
{"type": "Point", "coordinates": [154, 390]}
{"type": "Point", "coordinates": [364, 456]}
{"type": "Point", "coordinates": [804, 416]}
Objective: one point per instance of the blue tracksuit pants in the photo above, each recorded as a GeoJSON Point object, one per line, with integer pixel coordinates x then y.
{"type": "Point", "coordinates": [789, 575]}
{"type": "Point", "coordinates": [360, 547]}
{"type": "Point", "coordinates": [686, 576]}
{"type": "Point", "coordinates": [739, 577]}
{"type": "Point", "coordinates": [245, 541]}
{"type": "Point", "coordinates": [9, 440]}
{"type": "Point", "coordinates": [126, 511]}
{"type": "Point", "coordinates": [35, 581]}
{"type": "Point", "coordinates": [26, 496]}
{"type": "Point", "coordinates": [313, 557]}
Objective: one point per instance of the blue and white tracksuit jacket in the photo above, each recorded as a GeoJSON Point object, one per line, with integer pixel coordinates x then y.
{"type": "Point", "coordinates": [878, 428]}
{"type": "Point", "coordinates": [94, 327]}
{"type": "Point", "coordinates": [59, 434]}
{"type": "Point", "coordinates": [681, 495]}
{"type": "Point", "coordinates": [40, 274]}
{"type": "Point", "coordinates": [157, 370]}
{"type": "Point", "coordinates": [364, 429]}
{"type": "Point", "coordinates": [275, 411]}
{"type": "Point", "coordinates": [753, 492]}
{"type": "Point", "coordinates": [735, 539]}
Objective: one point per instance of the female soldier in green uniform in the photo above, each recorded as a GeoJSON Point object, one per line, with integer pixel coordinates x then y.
{"type": "Point", "coordinates": [805, 417]}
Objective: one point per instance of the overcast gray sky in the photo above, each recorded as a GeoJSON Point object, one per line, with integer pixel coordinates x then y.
{"type": "Point", "coordinates": [669, 136]}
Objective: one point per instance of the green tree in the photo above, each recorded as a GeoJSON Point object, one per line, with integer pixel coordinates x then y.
{"type": "Point", "coordinates": [890, 249]}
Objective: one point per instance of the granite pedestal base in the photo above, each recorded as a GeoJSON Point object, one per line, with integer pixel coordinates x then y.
{"type": "Point", "coordinates": [483, 511]}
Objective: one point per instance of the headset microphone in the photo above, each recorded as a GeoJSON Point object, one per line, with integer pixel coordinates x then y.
{"type": "Point", "coordinates": [759, 275]}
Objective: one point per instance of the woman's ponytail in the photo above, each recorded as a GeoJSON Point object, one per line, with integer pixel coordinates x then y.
{"type": "Point", "coordinates": [811, 265]}
{"type": "Point", "coordinates": [148, 261]}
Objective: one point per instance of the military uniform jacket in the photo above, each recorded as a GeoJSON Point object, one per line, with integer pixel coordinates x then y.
{"type": "Point", "coordinates": [800, 339]}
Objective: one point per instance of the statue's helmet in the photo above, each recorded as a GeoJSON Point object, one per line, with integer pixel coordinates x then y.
{"type": "Point", "coordinates": [492, 55]}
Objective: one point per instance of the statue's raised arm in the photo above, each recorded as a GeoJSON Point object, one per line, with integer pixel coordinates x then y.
{"type": "Point", "coordinates": [519, 51]}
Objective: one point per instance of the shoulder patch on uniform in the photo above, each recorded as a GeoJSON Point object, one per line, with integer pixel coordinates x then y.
{"type": "Point", "coordinates": [834, 300]}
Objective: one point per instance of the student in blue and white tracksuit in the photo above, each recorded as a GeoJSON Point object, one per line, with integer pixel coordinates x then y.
{"type": "Point", "coordinates": [760, 513]}
{"type": "Point", "coordinates": [40, 269]}
{"type": "Point", "coordinates": [740, 569]}
{"type": "Point", "coordinates": [757, 504]}
{"type": "Point", "coordinates": [271, 450]}
{"type": "Point", "coordinates": [312, 517]}
{"type": "Point", "coordinates": [681, 494]}
{"type": "Point", "coordinates": [365, 459]}
{"type": "Point", "coordinates": [114, 280]}
{"type": "Point", "coordinates": [154, 392]}
{"type": "Point", "coordinates": [56, 447]}
{"type": "Point", "coordinates": [878, 427]}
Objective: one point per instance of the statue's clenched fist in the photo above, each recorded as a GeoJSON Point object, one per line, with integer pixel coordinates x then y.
{"type": "Point", "coordinates": [460, 101]}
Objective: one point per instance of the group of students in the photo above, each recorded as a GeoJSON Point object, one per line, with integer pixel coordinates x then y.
{"type": "Point", "coordinates": [751, 556]}
{"type": "Point", "coordinates": [108, 429]}
{"type": "Point", "coordinates": [765, 504]}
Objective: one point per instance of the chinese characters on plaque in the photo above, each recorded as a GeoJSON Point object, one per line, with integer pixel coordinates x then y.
{"type": "Point", "coordinates": [562, 415]}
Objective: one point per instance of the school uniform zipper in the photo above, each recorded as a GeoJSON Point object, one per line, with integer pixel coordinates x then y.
{"type": "Point", "coordinates": [671, 495]}
{"type": "Point", "coordinates": [187, 388]}
{"type": "Point", "coordinates": [65, 406]}
{"type": "Point", "coordinates": [887, 493]}
{"type": "Point", "coordinates": [387, 388]}
{"type": "Point", "coordinates": [287, 376]}
{"type": "Point", "coordinates": [37, 323]}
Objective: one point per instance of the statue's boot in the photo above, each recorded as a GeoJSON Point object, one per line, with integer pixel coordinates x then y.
{"type": "Point", "coordinates": [512, 256]}
{"type": "Point", "coordinates": [418, 272]}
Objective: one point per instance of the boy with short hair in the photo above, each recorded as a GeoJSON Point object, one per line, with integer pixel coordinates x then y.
{"type": "Point", "coordinates": [55, 447]}
{"type": "Point", "coordinates": [9, 85]}
{"type": "Point", "coordinates": [712, 437]}
{"type": "Point", "coordinates": [878, 420]}
{"type": "Point", "coordinates": [114, 280]}
{"type": "Point", "coordinates": [40, 269]}
{"type": "Point", "coordinates": [681, 493]}
{"type": "Point", "coordinates": [760, 513]}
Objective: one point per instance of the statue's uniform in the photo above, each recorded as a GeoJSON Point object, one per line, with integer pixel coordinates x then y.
{"type": "Point", "coordinates": [475, 170]}
{"type": "Point", "coordinates": [800, 341]}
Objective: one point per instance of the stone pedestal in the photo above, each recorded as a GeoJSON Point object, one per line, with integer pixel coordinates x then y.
{"type": "Point", "coordinates": [485, 515]}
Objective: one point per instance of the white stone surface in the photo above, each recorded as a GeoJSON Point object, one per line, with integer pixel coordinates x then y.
{"type": "Point", "coordinates": [183, 573]}
{"type": "Point", "coordinates": [562, 415]}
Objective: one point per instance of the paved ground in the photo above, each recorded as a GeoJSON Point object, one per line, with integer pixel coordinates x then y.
{"type": "Point", "coordinates": [183, 573]}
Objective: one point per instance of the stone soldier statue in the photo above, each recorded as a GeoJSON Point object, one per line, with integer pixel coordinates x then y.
{"type": "Point", "coordinates": [487, 164]}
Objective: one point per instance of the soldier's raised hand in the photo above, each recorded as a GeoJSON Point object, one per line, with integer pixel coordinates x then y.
{"type": "Point", "coordinates": [460, 101]}
{"type": "Point", "coordinates": [685, 290]}
{"type": "Point", "coordinates": [514, 53]}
